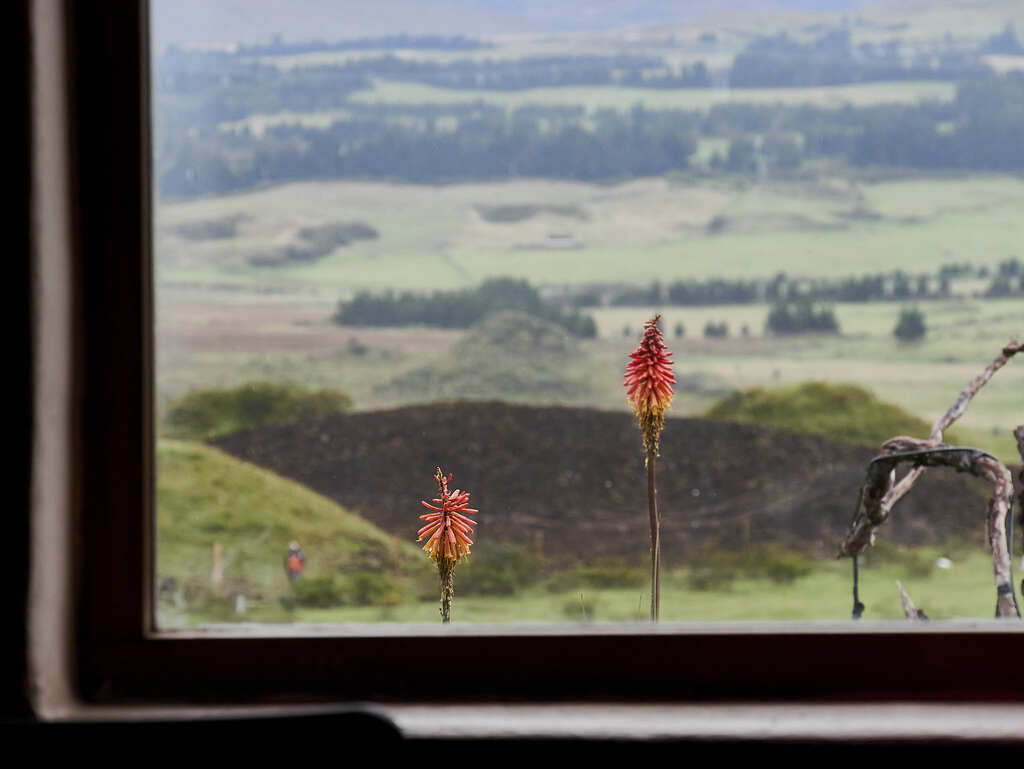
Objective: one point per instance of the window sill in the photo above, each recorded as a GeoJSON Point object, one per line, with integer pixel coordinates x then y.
{"type": "Point", "coordinates": [826, 723]}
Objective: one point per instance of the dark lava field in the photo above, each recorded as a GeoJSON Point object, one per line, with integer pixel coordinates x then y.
{"type": "Point", "coordinates": [570, 482]}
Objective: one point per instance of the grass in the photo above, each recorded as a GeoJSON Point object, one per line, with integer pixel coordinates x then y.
{"type": "Point", "coordinates": [203, 343]}
{"type": "Point", "coordinates": [963, 591]}
{"type": "Point", "coordinates": [593, 98]}
{"type": "Point", "coordinates": [221, 321]}
{"type": "Point", "coordinates": [436, 236]}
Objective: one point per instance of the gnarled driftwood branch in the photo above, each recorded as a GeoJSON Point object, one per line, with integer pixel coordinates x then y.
{"type": "Point", "coordinates": [881, 491]}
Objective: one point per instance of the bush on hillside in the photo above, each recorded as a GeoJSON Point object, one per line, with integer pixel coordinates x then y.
{"type": "Point", "coordinates": [842, 412]}
{"type": "Point", "coordinates": [207, 413]}
{"type": "Point", "coordinates": [508, 355]}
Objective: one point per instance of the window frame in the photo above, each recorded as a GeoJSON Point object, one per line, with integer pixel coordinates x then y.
{"type": "Point", "coordinates": [119, 658]}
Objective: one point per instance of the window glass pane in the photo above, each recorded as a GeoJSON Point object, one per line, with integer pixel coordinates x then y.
{"type": "Point", "coordinates": [429, 234]}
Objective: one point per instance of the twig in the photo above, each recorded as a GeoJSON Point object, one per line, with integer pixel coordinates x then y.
{"type": "Point", "coordinates": [909, 610]}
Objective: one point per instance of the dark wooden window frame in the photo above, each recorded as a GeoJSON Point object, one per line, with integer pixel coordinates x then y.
{"type": "Point", "coordinates": [119, 658]}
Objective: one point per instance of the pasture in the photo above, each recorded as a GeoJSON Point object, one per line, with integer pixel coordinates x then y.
{"type": "Point", "coordinates": [636, 232]}
{"type": "Point", "coordinates": [223, 320]}
{"type": "Point", "coordinates": [964, 591]}
{"type": "Point", "coordinates": [593, 98]}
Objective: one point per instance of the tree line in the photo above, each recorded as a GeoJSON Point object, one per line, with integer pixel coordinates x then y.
{"type": "Point", "coordinates": [892, 286]}
{"type": "Point", "coordinates": [980, 129]}
{"type": "Point", "coordinates": [458, 308]}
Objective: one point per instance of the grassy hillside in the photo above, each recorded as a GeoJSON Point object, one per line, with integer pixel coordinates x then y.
{"type": "Point", "coordinates": [206, 497]}
{"type": "Point", "coordinates": [844, 413]}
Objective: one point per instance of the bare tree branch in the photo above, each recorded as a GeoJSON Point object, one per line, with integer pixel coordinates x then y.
{"type": "Point", "coordinates": [895, 491]}
{"type": "Point", "coordinates": [881, 491]}
{"type": "Point", "coordinates": [1019, 435]}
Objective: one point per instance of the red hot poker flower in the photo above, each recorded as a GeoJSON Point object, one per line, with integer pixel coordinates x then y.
{"type": "Point", "coordinates": [649, 381]}
{"type": "Point", "coordinates": [447, 529]}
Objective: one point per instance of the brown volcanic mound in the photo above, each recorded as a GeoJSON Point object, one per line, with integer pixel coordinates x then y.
{"type": "Point", "coordinates": [572, 481]}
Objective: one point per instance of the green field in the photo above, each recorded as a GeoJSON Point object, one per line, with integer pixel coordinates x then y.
{"type": "Point", "coordinates": [961, 592]}
{"type": "Point", "coordinates": [633, 232]}
{"type": "Point", "coordinates": [593, 98]}
{"type": "Point", "coordinates": [222, 321]}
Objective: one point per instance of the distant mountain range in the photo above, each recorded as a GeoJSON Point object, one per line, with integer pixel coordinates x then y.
{"type": "Point", "coordinates": [183, 22]}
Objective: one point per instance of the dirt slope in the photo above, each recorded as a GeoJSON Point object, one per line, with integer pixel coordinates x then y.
{"type": "Point", "coordinates": [571, 482]}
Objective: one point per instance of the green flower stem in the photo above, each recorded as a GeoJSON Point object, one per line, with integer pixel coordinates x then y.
{"type": "Point", "coordinates": [652, 509]}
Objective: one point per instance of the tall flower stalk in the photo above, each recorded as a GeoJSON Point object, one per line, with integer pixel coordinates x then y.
{"type": "Point", "coordinates": [648, 382]}
{"type": "Point", "coordinates": [447, 533]}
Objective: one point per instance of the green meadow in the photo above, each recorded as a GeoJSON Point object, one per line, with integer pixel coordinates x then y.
{"type": "Point", "coordinates": [593, 98]}
{"type": "Point", "coordinates": [636, 232]}
{"type": "Point", "coordinates": [962, 592]}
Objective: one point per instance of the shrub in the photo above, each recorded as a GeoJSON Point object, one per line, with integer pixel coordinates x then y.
{"type": "Point", "coordinates": [207, 413]}
{"type": "Point", "coordinates": [605, 573]}
{"type": "Point", "coordinates": [842, 412]}
{"type": "Point", "coordinates": [914, 562]}
{"type": "Point", "coordinates": [321, 592]}
{"type": "Point", "coordinates": [910, 327]}
{"type": "Point", "coordinates": [581, 608]}
{"type": "Point", "coordinates": [367, 588]}
{"type": "Point", "coordinates": [500, 570]}
{"type": "Point", "coordinates": [716, 569]}
{"type": "Point", "coordinates": [770, 560]}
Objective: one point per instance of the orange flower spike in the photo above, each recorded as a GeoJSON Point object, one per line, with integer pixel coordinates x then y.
{"type": "Point", "coordinates": [448, 528]}
{"type": "Point", "coordinates": [648, 383]}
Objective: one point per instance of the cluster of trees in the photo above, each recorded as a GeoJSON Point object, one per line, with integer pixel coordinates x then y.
{"type": "Point", "coordinates": [1008, 280]}
{"type": "Point", "coordinates": [801, 317]}
{"type": "Point", "coordinates": [615, 146]}
{"type": "Point", "coordinates": [910, 327]}
{"type": "Point", "coordinates": [769, 61]}
{"type": "Point", "coordinates": [713, 330]}
{"type": "Point", "coordinates": [458, 309]}
{"type": "Point", "coordinates": [199, 92]}
{"type": "Point", "coordinates": [832, 59]}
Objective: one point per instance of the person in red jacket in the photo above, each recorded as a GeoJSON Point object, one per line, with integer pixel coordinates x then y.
{"type": "Point", "coordinates": [294, 562]}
